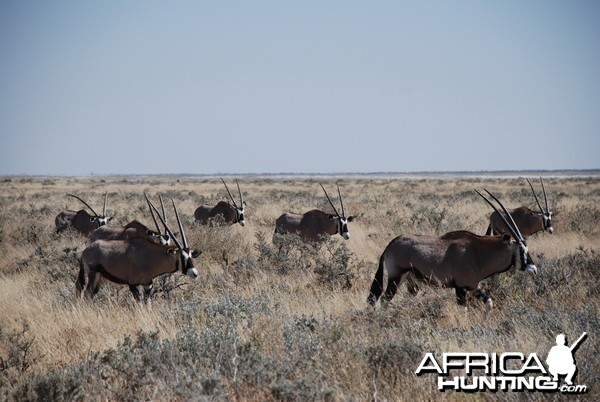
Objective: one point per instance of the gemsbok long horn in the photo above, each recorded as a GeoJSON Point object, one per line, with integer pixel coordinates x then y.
{"type": "Point", "coordinates": [152, 213]}
{"type": "Point", "coordinates": [104, 208]}
{"type": "Point", "coordinates": [162, 207]}
{"type": "Point", "coordinates": [240, 192]}
{"type": "Point", "coordinates": [330, 202]}
{"type": "Point", "coordinates": [185, 243]}
{"type": "Point", "coordinates": [341, 202]}
{"type": "Point", "coordinates": [536, 197]}
{"type": "Point", "coordinates": [166, 227]}
{"type": "Point", "coordinates": [86, 204]}
{"type": "Point", "coordinates": [229, 192]}
{"type": "Point", "coordinates": [545, 198]}
{"type": "Point", "coordinates": [517, 235]}
{"type": "Point", "coordinates": [512, 221]}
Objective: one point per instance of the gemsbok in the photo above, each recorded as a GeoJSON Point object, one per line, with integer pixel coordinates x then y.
{"type": "Point", "coordinates": [231, 213]}
{"type": "Point", "coordinates": [529, 222]}
{"type": "Point", "coordinates": [459, 260]}
{"type": "Point", "coordinates": [315, 225]}
{"type": "Point", "coordinates": [81, 220]}
{"type": "Point", "coordinates": [134, 262]}
{"type": "Point", "coordinates": [133, 229]}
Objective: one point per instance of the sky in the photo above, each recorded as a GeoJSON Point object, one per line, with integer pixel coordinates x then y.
{"type": "Point", "coordinates": [208, 87]}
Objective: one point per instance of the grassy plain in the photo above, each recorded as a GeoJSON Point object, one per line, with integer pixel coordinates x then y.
{"type": "Point", "coordinates": [261, 325]}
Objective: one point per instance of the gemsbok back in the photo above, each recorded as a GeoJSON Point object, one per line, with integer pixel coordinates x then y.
{"type": "Point", "coordinates": [459, 260]}
{"type": "Point", "coordinates": [133, 229]}
{"type": "Point", "coordinates": [116, 232]}
{"type": "Point", "coordinates": [529, 222]}
{"type": "Point", "coordinates": [134, 262]}
{"type": "Point", "coordinates": [81, 220]}
{"type": "Point", "coordinates": [315, 225]}
{"type": "Point", "coordinates": [231, 213]}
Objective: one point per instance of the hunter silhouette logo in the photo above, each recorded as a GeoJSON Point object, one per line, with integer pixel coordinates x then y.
{"type": "Point", "coordinates": [509, 371]}
{"type": "Point", "coordinates": [560, 358]}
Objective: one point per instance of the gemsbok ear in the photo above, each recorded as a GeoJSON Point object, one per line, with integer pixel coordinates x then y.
{"type": "Point", "coordinates": [330, 216]}
{"type": "Point", "coordinates": [93, 219]}
{"type": "Point", "coordinates": [350, 218]}
{"type": "Point", "coordinates": [171, 251]}
{"type": "Point", "coordinates": [506, 238]}
{"type": "Point", "coordinates": [196, 253]}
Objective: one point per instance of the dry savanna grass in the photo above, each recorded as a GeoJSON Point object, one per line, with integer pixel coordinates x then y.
{"type": "Point", "coordinates": [260, 323]}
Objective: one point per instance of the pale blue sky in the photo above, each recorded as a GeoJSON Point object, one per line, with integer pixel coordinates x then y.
{"type": "Point", "coordinates": [144, 87]}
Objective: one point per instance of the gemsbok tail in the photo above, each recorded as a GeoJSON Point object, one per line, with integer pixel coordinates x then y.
{"type": "Point", "coordinates": [80, 284]}
{"type": "Point", "coordinates": [377, 285]}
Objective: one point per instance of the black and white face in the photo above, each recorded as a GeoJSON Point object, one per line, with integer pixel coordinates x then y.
{"type": "Point", "coordinates": [165, 239]}
{"type": "Point", "coordinates": [547, 217]}
{"type": "Point", "coordinates": [343, 226]}
{"type": "Point", "coordinates": [187, 262]}
{"type": "Point", "coordinates": [154, 237]}
{"type": "Point", "coordinates": [525, 260]}
{"type": "Point", "coordinates": [240, 214]}
{"type": "Point", "coordinates": [99, 220]}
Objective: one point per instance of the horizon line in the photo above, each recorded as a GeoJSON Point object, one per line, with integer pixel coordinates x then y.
{"type": "Point", "coordinates": [594, 171]}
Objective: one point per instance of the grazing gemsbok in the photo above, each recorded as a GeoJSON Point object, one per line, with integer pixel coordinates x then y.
{"type": "Point", "coordinates": [134, 262]}
{"type": "Point", "coordinates": [81, 220]}
{"type": "Point", "coordinates": [315, 225]}
{"type": "Point", "coordinates": [458, 260]}
{"type": "Point", "coordinates": [528, 221]}
{"type": "Point", "coordinates": [231, 212]}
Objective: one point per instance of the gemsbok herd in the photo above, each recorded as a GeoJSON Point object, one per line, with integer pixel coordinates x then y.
{"type": "Point", "coordinates": [135, 254]}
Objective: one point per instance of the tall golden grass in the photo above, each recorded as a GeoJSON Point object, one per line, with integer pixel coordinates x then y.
{"type": "Point", "coordinates": [294, 337]}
